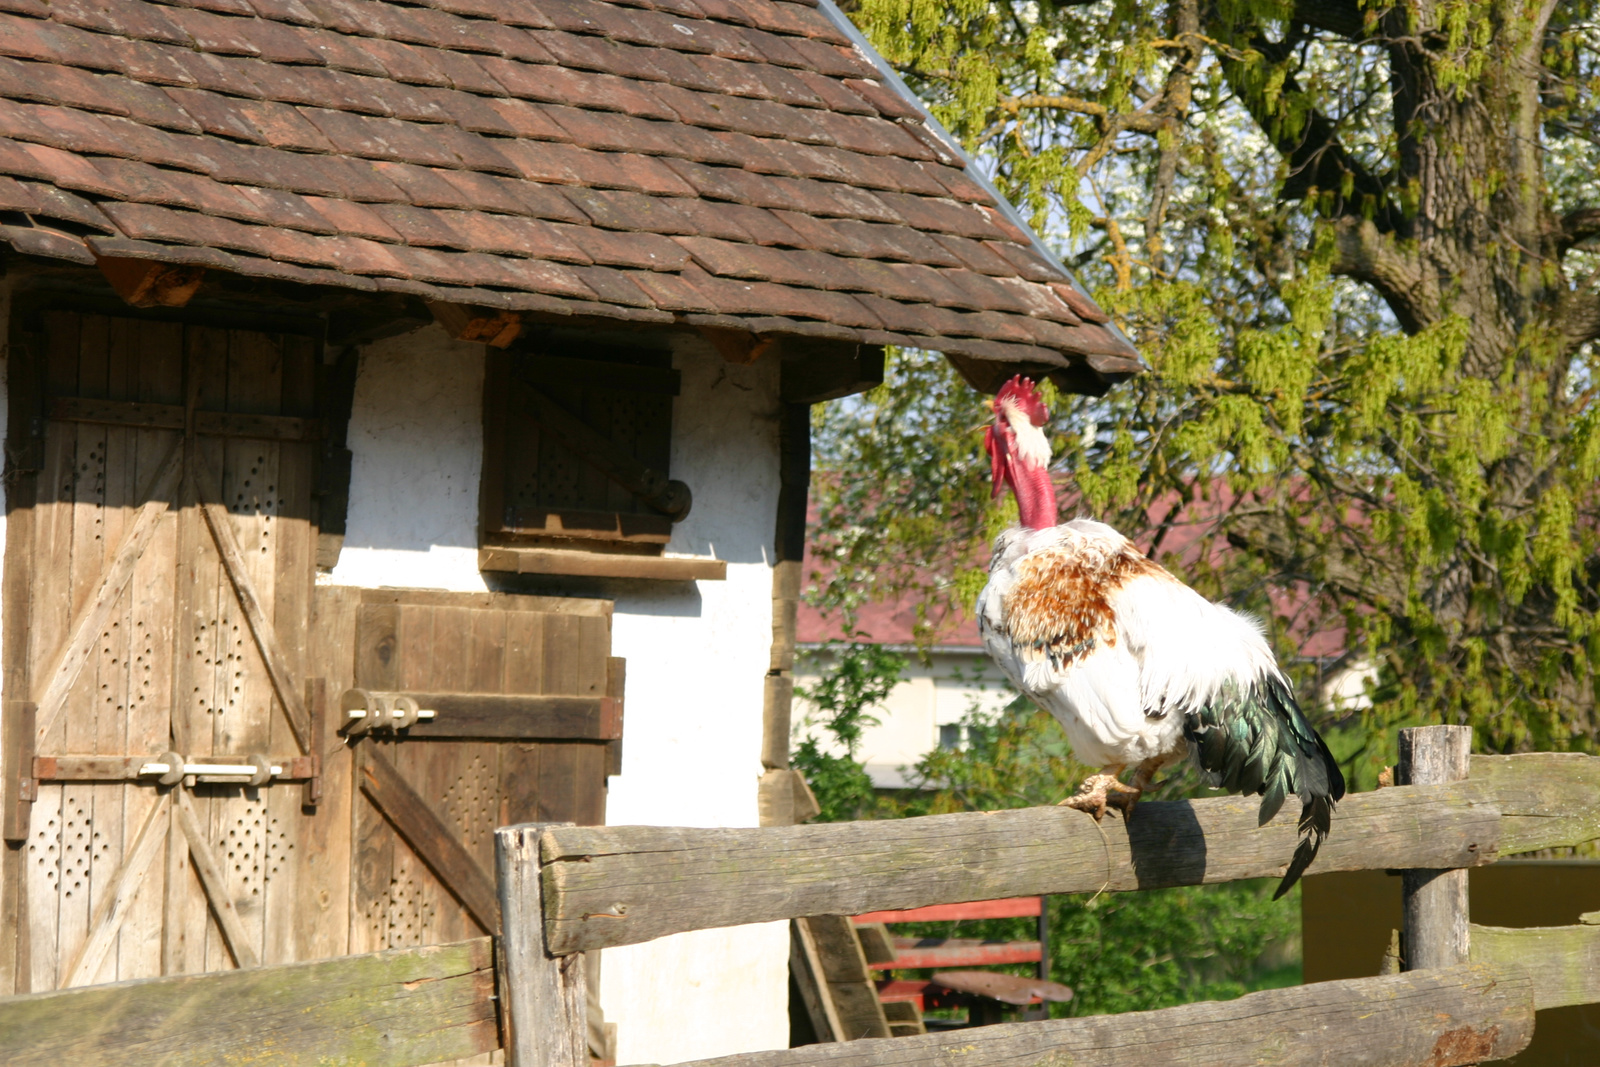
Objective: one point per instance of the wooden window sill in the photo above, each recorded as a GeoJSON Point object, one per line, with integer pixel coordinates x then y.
{"type": "Point", "coordinates": [599, 564]}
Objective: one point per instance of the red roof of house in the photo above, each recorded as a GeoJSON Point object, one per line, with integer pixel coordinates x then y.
{"type": "Point", "coordinates": [717, 163]}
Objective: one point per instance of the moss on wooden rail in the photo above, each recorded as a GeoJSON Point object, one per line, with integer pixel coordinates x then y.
{"type": "Point", "coordinates": [1563, 961]}
{"type": "Point", "coordinates": [608, 886]}
{"type": "Point", "coordinates": [386, 1009]}
{"type": "Point", "coordinates": [1441, 1018]}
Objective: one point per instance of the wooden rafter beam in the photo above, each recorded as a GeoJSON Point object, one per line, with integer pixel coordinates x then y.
{"type": "Point", "coordinates": [465, 323]}
{"type": "Point", "coordinates": [147, 283]}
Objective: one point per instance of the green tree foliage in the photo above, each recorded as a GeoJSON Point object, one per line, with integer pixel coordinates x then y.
{"type": "Point", "coordinates": [856, 678]}
{"type": "Point", "coordinates": [1356, 243]}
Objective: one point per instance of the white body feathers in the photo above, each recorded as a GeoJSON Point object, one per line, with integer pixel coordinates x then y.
{"type": "Point", "coordinates": [1110, 643]}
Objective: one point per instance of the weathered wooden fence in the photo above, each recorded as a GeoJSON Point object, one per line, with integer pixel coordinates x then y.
{"type": "Point", "coordinates": [565, 889]}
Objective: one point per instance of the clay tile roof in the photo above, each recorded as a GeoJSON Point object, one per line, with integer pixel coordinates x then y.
{"type": "Point", "coordinates": [743, 164]}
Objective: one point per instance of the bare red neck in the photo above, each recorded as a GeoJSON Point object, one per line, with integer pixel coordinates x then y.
{"type": "Point", "coordinates": [1036, 495]}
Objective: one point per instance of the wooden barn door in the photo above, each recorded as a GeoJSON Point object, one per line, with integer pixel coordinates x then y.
{"type": "Point", "coordinates": [527, 723]}
{"type": "Point", "coordinates": [158, 576]}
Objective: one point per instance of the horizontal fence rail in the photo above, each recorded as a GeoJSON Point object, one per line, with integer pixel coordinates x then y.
{"type": "Point", "coordinates": [1564, 961]}
{"type": "Point", "coordinates": [1440, 1018]}
{"type": "Point", "coordinates": [385, 1009]}
{"type": "Point", "coordinates": [608, 886]}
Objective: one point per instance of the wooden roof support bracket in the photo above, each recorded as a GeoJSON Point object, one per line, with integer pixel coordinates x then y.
{"type": "Point", "coordinates": [145, 283]}
{"type": "Point", "coordinates": [736, 346]}
{"type": "Point", "coordinates": [496, 329]}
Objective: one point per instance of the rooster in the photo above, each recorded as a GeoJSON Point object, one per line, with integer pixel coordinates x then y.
{"type": "Point", "coordinates": [1138, 668]}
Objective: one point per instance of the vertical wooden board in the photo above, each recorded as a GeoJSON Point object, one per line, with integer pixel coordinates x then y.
{"type": "Point", "coordinates": [78, 731]}
{"type": "Point", "coordinates": [377, 653]}
{"type": "Point", "coordinates": [563, 671]}
{"type": "Point", "coordinates": [524, 658]}
{"type": "Point", "coordinates": [486, 653]}
{"type": "Point", "coordinates": [593, 654]}
{"type": "Point", "coordinates": [451, 647]}
{"type": "Point", "coordinates": [559, 782]}
{"type": "Point", "coordinates": [519, 782]}
{"type": "Point", "coordinates": [156, 377]}
{"type": "Point", "coordinates": [325, 844]}
{"type": "Point", "coordinates": [414, 648]}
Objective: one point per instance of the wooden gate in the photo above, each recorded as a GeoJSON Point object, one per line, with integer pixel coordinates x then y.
{"type": "Point", "coordinates": [528, 714]}
{"type": "Point", "coordinates": [158, 576]}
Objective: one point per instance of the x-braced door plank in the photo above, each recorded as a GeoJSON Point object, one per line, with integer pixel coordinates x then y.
{"type": "Point", "coordinates": [216, 887]}
{"type": "Point", "coordinates": [114, 906]}
{"type": "Point", "coordinates": [92, 622]}
{"type": "Point", "coordinates": [266, 637]}
{"type": "Point", "coordinates": [414, 819]}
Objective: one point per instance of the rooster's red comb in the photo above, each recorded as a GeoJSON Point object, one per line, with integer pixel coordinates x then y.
{"type": "Point", "coordinates": [1021, 392]}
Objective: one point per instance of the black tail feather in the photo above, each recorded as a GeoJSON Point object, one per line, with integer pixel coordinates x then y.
{"type": "Point", "coordinates": [1316, 818]}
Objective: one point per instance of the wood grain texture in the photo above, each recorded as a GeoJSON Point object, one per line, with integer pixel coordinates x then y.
{"type": "Point", "coordinates": [389, 1009]}
{"type": "Point", "coordinates": [114, 905]}
{"type": "Point", "coordinates": [262, 630]}
{"type": "Point", "coordinates": [91, 624]}
{"type": "Point", "coordinates": [216, 886]}
{"type": "Point", "coordinates": [668, 880]}
{"type": "Point", "coordinates": [1563, 961]}
{"type": "Point", "coordinates": [542, 996]}
{"type": "Point", "coordinates": [1434, 902]}
{"type": "Point", "coordinates": [432, 839]}
{"type": "Point", "coordinates": [600, 564]}
{"type": "Point", "coordinates": [1427, 1019]}
{"type": "Point", "coordinates": [542, 717]}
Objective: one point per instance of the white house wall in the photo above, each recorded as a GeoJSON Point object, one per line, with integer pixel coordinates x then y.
{"type": "Point", "coordinates": [940, 692]}
{"type": "Point", "coordinates": [696, 652]}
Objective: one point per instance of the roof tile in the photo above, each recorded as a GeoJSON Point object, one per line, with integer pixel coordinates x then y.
{"type": "Point", "coordinates": [283, 126]}
{"type": "Point", "coordinates": [217, 114]}
{"type": "Point", "coordinates": [872, 136]}
{"type": "Point", "coordinates": [611, 132]}
{"type": "Point", "coordinates": [450, 31]}
{"type": "Point", "coordinates": [513, 197]}
{"type": "Point", "coordinates": [414, 66]}
{"type": "Point", "coordinates": [613, 286]}
{"type": "Point", "coordinates": [620, 210]}
{"type": "Point", "coordinates": [961, 186]}
{"type": "Point", "coordinates": [671, 293]}
{"type": "Point", "coordinates": [713, 220]}
{"type": "Point", "coordinates": [1085, 308]}
{"type": "Point", "coordinates": [836, 96]}
{"type": "Point", "coordinates": [387, 139]}
{"type": "Point", "coordinates": [765, 298]}
{"type": "Point", "coordinates": [36, 242]}
{"type": "Point", "coordinates": [515, 236]}
{"type": "Point", "coordinates": [352, 218]}
{"type": "Point", "coordinates": [976, 255]}
{"type": "Point", "coordinates": [423, 187]}
{"type": "Point", "coordinates": [870, 240]}
{"type": "Point", "coordinates": [941, 216]}
{"type": "Point", "coordinates": [725, 11]}
{"type": "Point", "coordinates": [1025, 261]}
{"type": "Point", "coordinates": [652, 176]}
{"type": "Point", "coordinates": [171, 188]}
{"type": "Point", "coordinates": [644, 251]}
{"type": "Point", "coordinates": [215, 33]}
{"type": "Point", "coordinates": [420, 226]}
{"type": "Point", "coordinates": [279, 208]}
{"type": "Point", "coordinates": [57, 203]}
{"type": "Point", "coordinates": [290, 11]}
{"type": "Point", "coordinates": [529, 120]}
{"type": "Point", "coordinates": [14, 196]}
{"type": "Point", "coordinates": [558, 85]}
{"type": "Point", "coordinates": [51, 164]}
{"type": "Point", "coordinates": [883, 99]}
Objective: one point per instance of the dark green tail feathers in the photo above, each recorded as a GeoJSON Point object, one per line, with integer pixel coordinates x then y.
{"type": "Point", "coordinates": [1256, 740]}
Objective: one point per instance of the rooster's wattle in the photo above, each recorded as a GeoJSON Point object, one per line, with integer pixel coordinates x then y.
{"type": "Point", "coordinates": [1138, 668]}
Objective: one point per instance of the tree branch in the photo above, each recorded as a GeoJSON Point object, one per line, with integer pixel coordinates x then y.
{"type": "Point", "coordinates": [1317, 159]}
{"type": "Point", "coordinates": [1577, 227]}
{"type": "Point", "coordinates": [1368, 255]}
{"type": "Point", "coordinates": [1578, 317]}
{"type": "Point", "coordinates": [1342, 17]}
{"type": "Point", "coordinates": [1275, 537]}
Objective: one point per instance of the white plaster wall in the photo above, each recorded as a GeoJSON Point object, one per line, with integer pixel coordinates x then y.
{"type": "Point", "coordinates": [697, 652]}
{"type": "Point", "coordinates": [416, 438]}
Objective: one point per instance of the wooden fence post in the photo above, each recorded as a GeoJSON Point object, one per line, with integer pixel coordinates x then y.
{"type": "Point", "coordinates": [541, 996]}
{"type": "Point", "coordinates": [1434, 901]}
